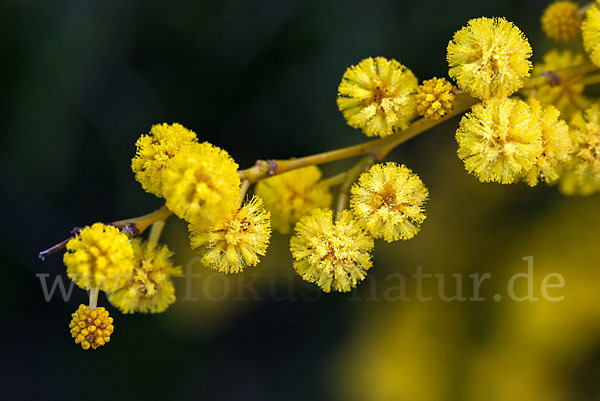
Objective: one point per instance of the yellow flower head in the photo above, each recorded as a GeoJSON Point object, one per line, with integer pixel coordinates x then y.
{"type": "Point", "coordinates": [238, 241]}
{"type": "Point", "coordinates": [91, 328]}
{"type": "Point", "coordinates": [561, 21]}
{"type": "Point", "coordinates": [582, 172]}
{"type": "Point", "coordinates": [435, 98]}
{"type": "Point", "coordinates": [291, 195]}
{"type": "Point", "coordinates": [499, 140]}
{"type": "Point", "coordinates": [389, 202]}
{"type": "Point", "coordinates": [568, 95]}
{"type": "Point", "coordinates": [99, 256]}
{"type": "Point", "coordinates": [556, 144]}
{"type": "Point", "coordinates": [590, 30]}
{"type": "Point", "coordinates": [157, 149]}
{"type": "Point", "coordinates": [489, 58]}
{"type": "Point", "coordinates": [201, 184]}
{"type": "Point", "coordinates": [377, 96]}
{"type": "Point", "coordinates": [333, 255]}
{"type": "Point", "coordinates": [150, 287]}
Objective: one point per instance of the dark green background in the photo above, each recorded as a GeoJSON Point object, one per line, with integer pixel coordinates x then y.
{"type": "Point", "coordinates": [81, 80]}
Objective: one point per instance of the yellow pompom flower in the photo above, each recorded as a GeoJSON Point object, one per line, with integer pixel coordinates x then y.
{"type": "Point", "coordinates": [291, 195]}
{"type": "Point", "coordinates": [378, 96]}
{"type": "Point", "coordinates": [91, 328]}
{"type": "Point", "coordinates": [99, 256]}
{"type": "Point", "coordinates": [435, 98]}
{"type": "Point", "coordinates": [499, 140]}
{"type": "Point", "coordinates": [389, 202]}
{"type": "Point", "coordinates": [567, 96]}
{"type": "Point", "coordinates": [489, 58]}
{"type": "Point", "coordinates": [556, 144]}
{"type": "Point", "coordinates": [590, 30]}
{"type": "Point", "coordinates": [331, 254]}
{"type": "Point", "coordinates": [582, 172]}
{"type": "Point", "coordinates": [157, 149]}
{"type": "Point", "coordinates": [238, 241]}
{"type": "Point", "coordinates": [201, 184]}
{"type": "Point", "coordinates": [561, 21]}
{"type": "Point", "coordinates": [150, 287]}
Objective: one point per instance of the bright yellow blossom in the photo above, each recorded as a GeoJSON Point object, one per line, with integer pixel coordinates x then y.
{"type": "Point", "coordinates": [91, 328]}
{"type": "Point", "coordinates": [489, 58]}
{"type": "Point", "coordinates": [377, 96]}
{"type": "Point", "coordinates": [155, 150]}
{"type": "Point", "coordinates": [499, 140]}
{"type": "Point", "coordinates": [291, 195]}
{"type": "Point", "coordinates": [567, 96]}
{"type": "Point", "coordinates": [333, 255]}
{"type": "Point", "coordinates": [150, 287]}
{"type": "Point", "coordinates": [556, 144]}
{"type": "Point", "coordinates": [99, 256]}
{"type": "Point", "coordinates": [238, 241]}
{"type": "Point", "coordinates": [435, 98]}
{"type": "Point", "coordinates": [561, 21]}
{"type": "Point", "coordinates": [582, 172]}
{"type": "Point", "coordinates": [389, 202]}
{"type": "Point", "coordinates": [201, 184]}
{"type": "Point", "coordinates": [590, 30]}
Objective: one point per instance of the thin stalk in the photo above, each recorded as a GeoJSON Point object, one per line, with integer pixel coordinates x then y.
{"type": "Point", "coordinates": [94, 297]}
{"type": "Point", "coordinates": [350, 178]}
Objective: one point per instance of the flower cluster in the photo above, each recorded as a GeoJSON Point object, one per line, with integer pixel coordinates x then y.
{"type": "Point", "coordinates": [516, 128]}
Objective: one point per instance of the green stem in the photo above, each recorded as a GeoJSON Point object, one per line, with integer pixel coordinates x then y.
{"type": "Point", "coordinates": [94, 297]}
{"type": "Point", "coordinates": [378, 148]}
{"type": "Point", "coordinates": [350, 178]}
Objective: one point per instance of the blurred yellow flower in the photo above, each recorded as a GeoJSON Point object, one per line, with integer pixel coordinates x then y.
{"type": "Point", "coordinates": [435, 98]}
{"type": "Point", "coordinates": [91, 327]}
{"type": "Point", "coordinates": [201, 184]}
{"type": "Point", "coordinates": [238, 241]}
{"type": "Point", "coordinates": [389, 202]}
{"type": "Point", "coordinates": [568, 95]}
{"type": "Point", "coordinates": [149, 288]}
{"type": "Point", "coordinates": [331, 254]}
{"type": "Point", "coordinates": [499, 140]}
{"type": "Point", "coordinates": [378, 96]}
{"type": "Point", "coordinates": [590, 30]}
{"type": "Point", "coordinates": [561, 21]}
{"type": "Point", "coordinates": [99, 256]}
{"type": "Point", "coordinates": [291, 195]}
{"type": "Point", "coordinates": [582, 173]}
{"type": "Point", "coordinates": [489, 58]}
{"type": "Point", "coordinates": [155, 150]}
{"type": "Point", "coordinates": [556, 144]}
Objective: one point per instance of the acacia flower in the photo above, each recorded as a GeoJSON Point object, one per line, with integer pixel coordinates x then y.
{"type": "Point", "coordinates": [499, 140]}
{"type": "Point", "coordinates": [155, 150]}
{"type": "Point", "coordinates": [237, 242]}
{"type": "Point", "coordinates": [489, 58]}
{"type": "Point", "coordinates": [561, 21]}
{"type": "Point", "coordinates": [150, 287]}
{"type": "Point", "coordinates": [99, 256]}
{"type": "Point", "coordinates": [435, 98]}
{"type": "Point", "coordinates": [568, 95]}
{"type": "Point", "coordinates": [389, 202]}
{"type": "Point", "coordinates": [377, 96]}
{"type": "Point", "coordinates": [590, 31]}
{"type": "Point", "coordinates": [556, 144]}
{"type": "Point", "coordinates": [91, 327]}
{"type": "Point", "coordinates": [333, 255]}
{"type": "Point", "coordinates": [291, 195]}
{"type": "Point", "coordinates": [582, 172]}
{"type": "Point", "coordinates": [201, 184]}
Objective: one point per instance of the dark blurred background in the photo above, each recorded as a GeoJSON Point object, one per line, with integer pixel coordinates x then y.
{"type": "Point", "coordinates": [81, 80]}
